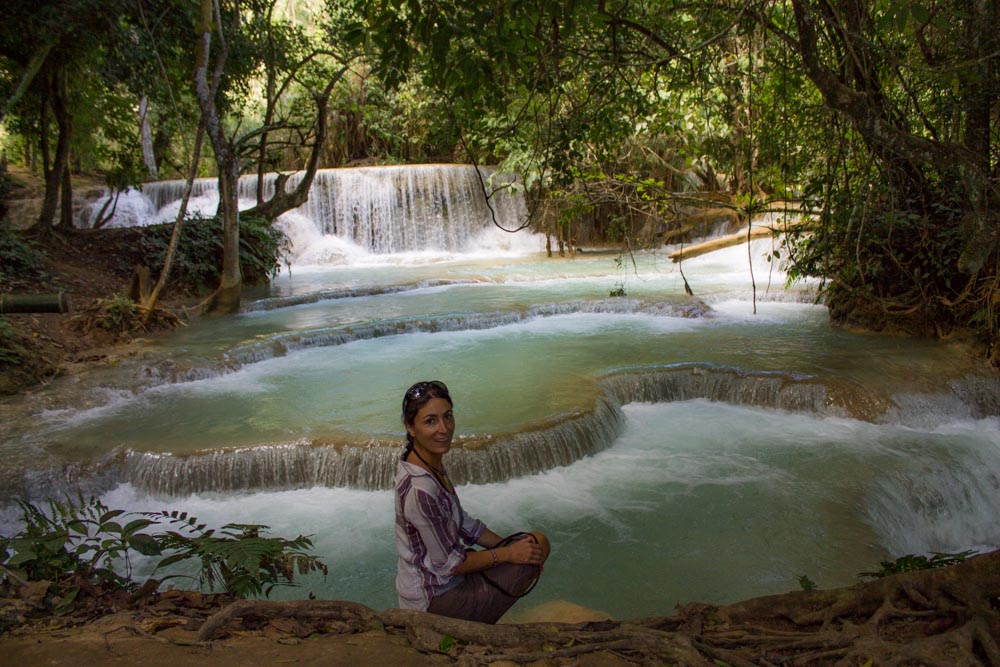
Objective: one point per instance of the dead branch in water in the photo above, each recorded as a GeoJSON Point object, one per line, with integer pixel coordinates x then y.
{"type": "Point", "coordinates": [739, 238]}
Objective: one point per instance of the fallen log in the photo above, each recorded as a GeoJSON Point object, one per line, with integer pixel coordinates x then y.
{"type": "Point", "coordinates": [756, 232]}
{"type": "Point", "coordinates": [34, 303]}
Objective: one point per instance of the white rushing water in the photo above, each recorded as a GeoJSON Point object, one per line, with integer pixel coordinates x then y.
{"type": "Point", "coordinates": [674, 448]}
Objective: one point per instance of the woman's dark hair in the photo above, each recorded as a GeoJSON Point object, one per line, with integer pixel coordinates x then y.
{"type": "Point", "coordinates": [416, 397]}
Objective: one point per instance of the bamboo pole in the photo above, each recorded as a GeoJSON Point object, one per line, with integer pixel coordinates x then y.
{"type": "Point", "coordinates": [34, 303]}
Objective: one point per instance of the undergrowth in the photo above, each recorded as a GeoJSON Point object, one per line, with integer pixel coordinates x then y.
{"type": "Point", "coordinates": [82, 548]}
{"type": "Point", "coordinates": [197, 263]}
{"type": "Point", "coordinates": [913, 563]}
{"type": "Point", "coordinates": [20, 261]}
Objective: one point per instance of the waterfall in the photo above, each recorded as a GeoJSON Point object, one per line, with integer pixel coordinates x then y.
{"type": "Point", "coordinates": [380, 209]}
{"type": "Point", "coordinates": [499, 457]}
{"type": "Point", "coordinates": [372, 465]}
{"type": "Point", "coordinates": [941, 496]}
{"type": "Point", "coordinates": [398, 209]}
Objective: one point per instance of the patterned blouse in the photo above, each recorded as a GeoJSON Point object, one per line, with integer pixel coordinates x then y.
{"type": "Point", "coordinates": [432, 532]}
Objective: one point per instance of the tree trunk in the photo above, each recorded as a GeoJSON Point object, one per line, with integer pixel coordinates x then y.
{"type": "Point", "coordinates": [227, 298]}
{"type": "Point", "coordinates": [54, 174]}
{"type": "Point", "coordinates": [283, 201]}
{"type": "Point", "coordinates": [50, 199]}
{"type": "Point", "coordinates": [161, 143]}
{"type": "Point", "coordinates": [34, 303]}
{"type": "Point", "coordinates": [66, 199]}
{"type": "Point", "coordinates": [269, 111]}
{"type": "Point", "coordinates": [979, 89]}
{"type": "Point", "coordinates": [146, 137]}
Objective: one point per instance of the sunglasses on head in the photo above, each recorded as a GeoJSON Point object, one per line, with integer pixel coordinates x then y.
{"type": "Point", "coordinates": [420, 389]}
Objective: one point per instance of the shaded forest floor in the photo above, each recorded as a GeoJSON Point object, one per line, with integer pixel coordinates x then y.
{"type": "Point", "coordinates": [947, 616]}
{"type": "Point", "coordinates": [85, 265]}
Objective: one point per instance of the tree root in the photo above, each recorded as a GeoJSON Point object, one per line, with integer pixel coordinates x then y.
{"type": "Point", "coordinates": [333, 616]}
{"type": "Point", "coordinates": [947, 616]}
{"type": "Point", "coordinates": [148, 635]}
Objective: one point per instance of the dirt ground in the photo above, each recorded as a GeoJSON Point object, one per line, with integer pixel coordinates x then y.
{"type": "Point", "coordinates": [85, 266]}
{"type": "Point", "coordinates": [112, 641]}
{"type": "Point", "coordinates": [166, 634]}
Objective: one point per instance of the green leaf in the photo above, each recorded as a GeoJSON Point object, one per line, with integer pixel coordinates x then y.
{"type": "Point", "coordinates": [175, 558]}
{"type": "Point", "coordinates": [77, 526]}
{"type": "Point", "coordinates": [447, 643]}
{"type": "Point", "coordinates": [110, 527]}
{"type": "Point", "coordinates": [107, 516]}
{"type": "Point", "coordinates": [147, 545]}
{"type": "Point", "coordinates": [902, 13]}
{"type": "Point", "coordinates": [133, 527]}
{"type": "Point", "coordinates": [66, 604]}
{"type": "Point", "coordinates": [23, 556]}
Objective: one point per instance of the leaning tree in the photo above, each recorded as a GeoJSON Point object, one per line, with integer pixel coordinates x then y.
{"type": "Point", "coordinates": [245, 44]}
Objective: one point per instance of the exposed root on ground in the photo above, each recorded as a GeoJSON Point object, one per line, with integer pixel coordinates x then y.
{"type": "Point", "coordinates": [120, 318]}
{"type": "Point", "coordinates": [948, 617]}
{"type": "Point", "coordinates": [139, 632]}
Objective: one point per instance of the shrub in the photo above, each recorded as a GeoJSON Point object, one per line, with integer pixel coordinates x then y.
{"type": "Point", "coordinates": [197, 263]}
{"type": "Point", "coordinates": [19, 260]}
{"type": "Point", "coordinates": [237, 557]}
{"type": "Point", "coordinates": [84, 546]}
{"type": "Point", "coordinates": [10, 351]}
{"type": "Point", "coordinates": [911, 563]}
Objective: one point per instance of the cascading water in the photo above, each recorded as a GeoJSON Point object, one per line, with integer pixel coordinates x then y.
{"type": "Point", "coordinates": [379, 210]}
{"type": "Point", "coordinates": [674, 448]}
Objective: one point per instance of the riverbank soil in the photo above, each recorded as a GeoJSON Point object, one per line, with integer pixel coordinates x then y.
{"type": "Point", "coordinates": [84, 265]}
{"type": "Point", "coordinates": [944, 616]}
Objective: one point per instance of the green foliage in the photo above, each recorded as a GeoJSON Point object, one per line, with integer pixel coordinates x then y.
{"type": "Point", "coordinates": [911, 563]}
{"type": "Point", "coordinates": [236, 557]}
{"type": "Point", "coordinates": [197, 262]}
{"type": "Point", "coordinates": [262, 248]}
{"type": "Point", "coordinates": [118, 314]}
{"type": "Point", "coordinates": [618, 291]}
{"type": "Point", "coordinates": [9, 351]}
{"type": "Point", "coordinates": [70, 542]}
{"type": "Point", "coordinates": [892, 255]}
{"type": "Point", "coordinates": [19, 259]}
{"type": "Point", "coordinates": [806, 583]}
{"type": "Point", "coordinates": [82, 542]}
{"type": "Point", "coordinates": [447, 643]}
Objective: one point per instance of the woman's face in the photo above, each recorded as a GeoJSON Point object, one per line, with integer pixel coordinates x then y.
{"type": "Point", "coordinates": [433, 427]}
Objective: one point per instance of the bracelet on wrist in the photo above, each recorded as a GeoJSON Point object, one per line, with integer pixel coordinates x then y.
{"type": "Point", "coordinates": [494, 554]}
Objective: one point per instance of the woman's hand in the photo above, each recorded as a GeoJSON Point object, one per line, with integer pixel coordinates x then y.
{"type": "Point", "coordinates": [525, 551]}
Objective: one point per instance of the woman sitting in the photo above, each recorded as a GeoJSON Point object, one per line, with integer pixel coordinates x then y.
{"type": "Point", "coordinates": [439, 571]}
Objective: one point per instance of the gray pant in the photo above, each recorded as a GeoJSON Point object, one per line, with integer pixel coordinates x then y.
{"type": "Point", "coordinates": [476, 599]}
